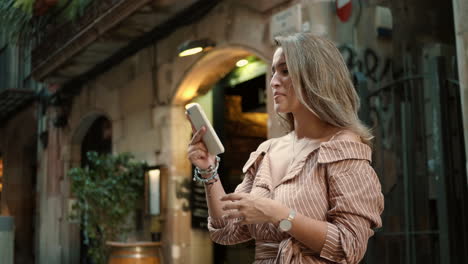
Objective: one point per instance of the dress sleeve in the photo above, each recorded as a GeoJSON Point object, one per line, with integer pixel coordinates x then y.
{"type": "Point", "coordinates": [356, 202]}
{"type": "Point", "coordinates": [224, 231]}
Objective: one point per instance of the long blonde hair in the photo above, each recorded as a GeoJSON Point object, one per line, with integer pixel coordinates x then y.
{"type": "Point", "coordinates": [322, 82]}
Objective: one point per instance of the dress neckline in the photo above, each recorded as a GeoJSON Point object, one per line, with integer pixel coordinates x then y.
{"type": "Point", "coordinates": [293, 136]}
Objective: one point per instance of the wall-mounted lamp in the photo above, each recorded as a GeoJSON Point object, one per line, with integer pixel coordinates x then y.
{"type": "Point", "coordinates": [156, 198]}
{"type": "Point", "coordinates": [154, 182]}
{"type": "Point", "coordinates": [242, 63]}
{"type": "Point", "coordinates": [192, 47]}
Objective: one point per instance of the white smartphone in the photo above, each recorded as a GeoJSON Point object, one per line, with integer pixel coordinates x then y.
{"type": "Point", "coordinates": [199, 119]}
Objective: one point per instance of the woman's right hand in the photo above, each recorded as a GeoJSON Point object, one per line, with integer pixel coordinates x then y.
{"type": "Point", "coordinates": [198, 153]}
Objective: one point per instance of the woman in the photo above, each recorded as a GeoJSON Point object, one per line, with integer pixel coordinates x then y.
{"type": "Point", "coordinates": [310, 196]}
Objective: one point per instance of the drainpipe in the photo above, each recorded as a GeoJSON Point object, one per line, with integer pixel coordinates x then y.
{"type": "Point", "coordinates": [460, 15]}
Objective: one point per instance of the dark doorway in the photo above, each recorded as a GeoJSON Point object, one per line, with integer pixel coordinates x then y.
{"type": "Point", "coordinates": [237, 105]}
{"type": "Point", "coordinates": [239, 114]}
{"type": "Point", "coordinates": [97, 139]}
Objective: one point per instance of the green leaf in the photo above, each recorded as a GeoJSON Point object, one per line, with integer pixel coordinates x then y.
{"type": "Point", "coordinates": [107, 192]}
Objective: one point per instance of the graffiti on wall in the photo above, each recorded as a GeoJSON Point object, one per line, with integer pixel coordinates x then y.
{"type": "Point", "coordinates": [375, 67]}
{"type": "Point", "coordinates": [378, 71]}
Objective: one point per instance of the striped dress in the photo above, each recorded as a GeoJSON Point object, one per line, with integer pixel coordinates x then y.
{"type": "Point", "coordinates": [332, 182]}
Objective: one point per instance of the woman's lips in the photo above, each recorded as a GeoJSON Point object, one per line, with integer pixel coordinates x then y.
{"type": "Point", "coordinates": [275, 94]}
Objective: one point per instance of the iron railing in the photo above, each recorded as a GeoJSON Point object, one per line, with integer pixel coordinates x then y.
{"type": "Point", "coordinates": [419, 157]}
{"type": "Point", "coordinates": [56, 34]}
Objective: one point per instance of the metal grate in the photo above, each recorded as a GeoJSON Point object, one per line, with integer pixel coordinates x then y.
{"type": "Point", "coordinates": [419, 157]}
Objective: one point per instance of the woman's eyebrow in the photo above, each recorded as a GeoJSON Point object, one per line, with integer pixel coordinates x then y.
{"type": "Point", "coordinates": [277, 66]}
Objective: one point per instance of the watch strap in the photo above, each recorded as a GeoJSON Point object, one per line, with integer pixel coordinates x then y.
{"type": "Point", "coordinates": [292, 215]}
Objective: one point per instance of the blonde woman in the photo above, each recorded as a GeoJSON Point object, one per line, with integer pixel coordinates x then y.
{"type": "Point", "coordinates": [310, 196]}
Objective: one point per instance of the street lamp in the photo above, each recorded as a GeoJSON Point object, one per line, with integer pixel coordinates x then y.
{"type": "Point", "coordinates": [192, 47]}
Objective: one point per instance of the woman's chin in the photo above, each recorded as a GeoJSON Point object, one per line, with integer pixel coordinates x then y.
{"type": "Point", "coordinates": [280, 109]}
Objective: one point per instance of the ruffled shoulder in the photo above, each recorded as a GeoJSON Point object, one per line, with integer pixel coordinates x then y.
{"type": "Point", "coordinates": [336, 150]}
{"type": "Point", "coordinates": [254, 156]}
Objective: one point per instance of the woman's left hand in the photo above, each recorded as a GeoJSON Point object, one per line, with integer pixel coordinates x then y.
{"type": "Point", "coordinates": [250, 209]}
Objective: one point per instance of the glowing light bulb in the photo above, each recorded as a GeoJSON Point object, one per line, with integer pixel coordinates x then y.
{"type": "Point", "coordinates": [191, 51]}
{"type": "Point", "coordinates": [242, 63]}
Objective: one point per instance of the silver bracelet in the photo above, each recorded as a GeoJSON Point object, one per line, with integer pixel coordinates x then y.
{"type": "Point", "coordinates": [210, 169]}
{"type": "Point", "coordinates": [204, 180]}
{"type": "Point", "coordinates": [197, 172]}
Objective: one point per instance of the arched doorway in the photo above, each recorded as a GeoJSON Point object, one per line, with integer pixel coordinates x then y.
{"type": "Point", "coordinates": [234, 96]}
{"type": "Point", "coordinates": [98, 138]}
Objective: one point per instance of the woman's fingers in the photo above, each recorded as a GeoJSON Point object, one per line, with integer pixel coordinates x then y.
{"type": "Point", "coordinates": [233, 197]}
{"type": "Point", "coordinates": [197, 151]}
{"type": "Point", "coordinates": [197, 154]}
{"type": "Point", "coordinates": [234, 215]}
{"type": "Point", "coordinates": [245, 208]}
{"type": "Point", "coordinates": [198, 136]}
{"type": "Point", "coordinates": [197, 146]}
{"type": "Point", "coordinates": [239, 218]}
{"type": "Point", "coordinates": [232, 206]}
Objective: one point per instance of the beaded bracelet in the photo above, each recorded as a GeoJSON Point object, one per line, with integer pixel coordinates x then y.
{"type": "Point", "coordinates": [204, 180]}
{"type": "Point", "coordinates": [213, 171]}
{"type": "Point", "coordinates": [210, 169]}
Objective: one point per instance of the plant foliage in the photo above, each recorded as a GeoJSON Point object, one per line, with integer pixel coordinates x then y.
{"type": "Point", "coordinates": [107, 192]}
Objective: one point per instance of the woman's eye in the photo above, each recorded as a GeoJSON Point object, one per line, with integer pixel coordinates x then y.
{"type": "Point", "coordinates": [285, 71]}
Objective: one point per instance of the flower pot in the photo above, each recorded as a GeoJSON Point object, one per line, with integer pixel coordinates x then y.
{"type": "Point", "coordinates": [135, 253]}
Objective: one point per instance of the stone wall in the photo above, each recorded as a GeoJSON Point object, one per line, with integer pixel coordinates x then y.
{"type": "Point", "coordinates": [144, 96]}
{"type": "Point", "coordinates": [460, 9]}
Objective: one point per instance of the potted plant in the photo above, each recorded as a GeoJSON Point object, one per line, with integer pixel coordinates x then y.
{"type": "Point", "coordinates": [107, 192]}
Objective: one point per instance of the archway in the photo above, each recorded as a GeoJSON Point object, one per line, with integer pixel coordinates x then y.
{"type": "Point", "coordinates": [94, 133]}
{"type": "Point", "coordinates": [235, 101]}
{"type": "Point", "coordinates": [98, 138]}
{"type": "Point", "coordinates": [210, 69]}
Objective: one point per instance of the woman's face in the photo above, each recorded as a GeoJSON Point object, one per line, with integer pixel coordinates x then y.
{"type": "Point", "coordinates": [284, 97]}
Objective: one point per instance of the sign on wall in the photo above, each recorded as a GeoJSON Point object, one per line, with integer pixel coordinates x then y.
{"type": "Point", "coordinates": [343, 9]}
{"type": "Point", "coordinates": [286, 22]}
{"type": "Point", "coordinates": [199, 206]}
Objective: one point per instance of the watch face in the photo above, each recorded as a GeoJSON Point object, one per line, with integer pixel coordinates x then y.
{"type": "Point", "coordinates": [285, 225]}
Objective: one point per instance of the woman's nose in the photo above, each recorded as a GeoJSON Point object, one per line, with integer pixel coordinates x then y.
{"type": "Point", "coordinates": [274, 82]}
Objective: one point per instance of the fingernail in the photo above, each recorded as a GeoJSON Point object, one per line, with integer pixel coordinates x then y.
{"type": "Point", "coordinates": [224, 216]}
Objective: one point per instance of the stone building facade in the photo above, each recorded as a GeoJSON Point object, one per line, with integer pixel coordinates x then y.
{"type": "Point", "coordinates": [143, 98]}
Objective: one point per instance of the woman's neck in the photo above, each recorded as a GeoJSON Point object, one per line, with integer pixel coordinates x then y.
{"type": "Point", "coordinates": [307, 124]}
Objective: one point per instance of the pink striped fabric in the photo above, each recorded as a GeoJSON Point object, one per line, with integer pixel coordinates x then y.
{"type": "Point", "coordinates": [333, 182]}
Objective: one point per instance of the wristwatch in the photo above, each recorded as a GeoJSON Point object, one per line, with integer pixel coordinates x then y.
{"type": "Point", "coordinates": [286, 224]}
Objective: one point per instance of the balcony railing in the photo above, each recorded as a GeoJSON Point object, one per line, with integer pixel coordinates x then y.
{"type": "Point", "coordinates": [17, 88]}
{"type": "Point", "coordinates": [56, 35]}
